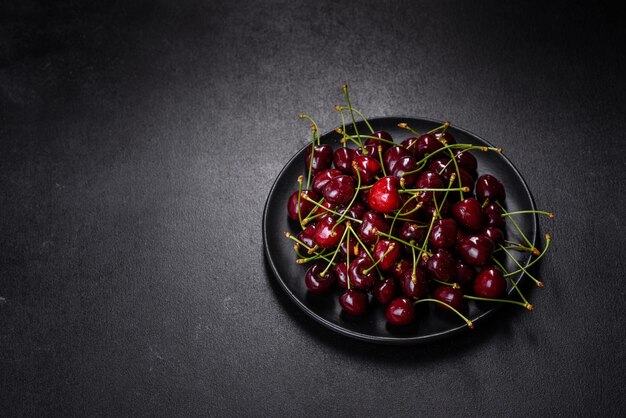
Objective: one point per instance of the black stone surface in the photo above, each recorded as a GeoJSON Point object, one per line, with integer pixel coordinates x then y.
{"type": "Point", "coordinates": [139, 140]}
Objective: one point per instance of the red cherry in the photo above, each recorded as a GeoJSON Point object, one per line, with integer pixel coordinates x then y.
{"type": "Point", "coordinates": [449, 295]}
{"type": "Point", "coordinates": [371, 224]}
{"type": "Point", "coordinates": [304, 208]}
{"type": "Point", "coordinates": [475, 249]}
{"type": "Point", "coordinates": [400, 311]}
{"type": "Point", "coordinates": [354, 302]}
{"type": "Point", "coordinates": [494, 234]}
{"type": "Point", "coordinates": [307, 234]}
{"type": "Point", "coordinates": [340, 190]}
{"type": "Point", "coordinates": [385, 290]}
{"type": "Point", "coordinates": [443, 233]}
{"type": "Point", "coordinates": [492, 215]}
{"type": "Point", "coordinates": [489, 187]}
{"type": "Point", "coordinates": [464, 272]}
{"type": "Point", "coordinates": [405, 168]}
{"type": "Point", "coordinates": [360, 277]}
{"type": "Point", "coordinates": [327, 232]}
{"type": "Point", "coordinates": [315, 282]}
{"type": "Point", "coordinates": [393, 155]}
{"type": "Point", "coordinates": [468, 214]}
{"type": "Point", "coordinates": [367, 167]}
{"type": "Point", "coordinates": [386, 140]}
{"type": "Point", "coordinates": [384, 196]}
{"type": "Point", "coordinates": [428, 180]}
{"type": "Point", "coordinates": [388, 252]}
{"type": "Point", "coordinates": [426, 144]}
{"type": "Point", "coordinates": [323, 177]}
{"type": "Point", "coordinates": [441, 266]}
{"type": "Point", "coordinates": [342, 159]}
{"type": "Point", "coordinates": [414, 286]}
{"type": "Point", "coordinates": [322, 158]}
{"type": "Point", "coordinates": [489, 283]}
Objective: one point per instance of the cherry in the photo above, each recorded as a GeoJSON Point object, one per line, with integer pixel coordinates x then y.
{"type": "Point", "coordinates": [322, 158]}
{"type": "Point", "coordinates": [361, 273]}
{"type": "Point", "coordinates": [494, 234]}
{"type": "Point", "coordinates": [354, 302]}
{"type": "Point", "coordinates": [369, 149]}
{"type": "Point", "coordinates": [342, 159]}
{"type": "Point", "coordinates": [384, 196]}
{"type": "Point", "coordinates": [426, 144]}
{"type": "Point", "coordinates": [489, 283]}
{"type": "Point", "coordinates": [449, 295]}
{"type": "Point", "coordinates": [306, 236]}
{"type": "Point", "coordinates": [464, 272]}
{"type": "Point", "coordinates": [475, 249]}
{"type": "Point", "coordinates": [305, 207]}
{"type": "Point", "coordinates": [411, 231]}
{"type": "Point", "coordinates": [405, 168]}
{"type": "Point", "coordinates": [414, 286]}
{"type": "Point", "coordinates": [428, 180]}
{"type": "Point", "coordinates": [466, 161]}
{"type": "Point", "coordinates": [428, 210]}
{"type": "Point", "coordinates": [356, 210]}
{"type": "Point", "coordinates": [323, 177]}
{"type": "Point", "coordinates": [341, 273]}
{"type": "Point", "coordinates": [441, 266]}
{"type": "Point", "coordinates": [385, 290]}
{"type": "Point", "coordinates": [340, 190]}
{"type": "Point", "coordinates": [445, 137]}
{"type": "Point", "coordinates": [318, 281]}
{"type": "Point", "coordinates": [393, 155]}
{"type": "Point", "coordinates": [489, 187]}
{"type": "Point", "coordinates": [400, 311]}
{"type": "Point", "coordinates": [492, 215]}
{"type": "Point", "coordinates": [368, 168]}
{"type": "Point", "coordinates": [386, 252]}
{"type": "Point", "coordinates": [468, 214]}
{"type": "Point", "coordinates": [443, 233]}
{"type": "Point", "coordinates": [441, 167]}
{"type": "Point", "coordinates": [400, 267]}
{"type": "Point", "coordinates": [327, 232]}
{"type": "Point", "coordinates": [371, 224]}
{"type": "Point", "coordinates": [385, 144]}
{"type": "Point", "coordinates": [410, 144]}
{"type": "Point", "coordinates": [409, 207]}
{"type": "Point", "coordinates": [356, 249]}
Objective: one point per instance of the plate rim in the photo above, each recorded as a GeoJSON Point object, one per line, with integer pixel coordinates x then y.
{"type": "Point", "coordinates": [383, 339]}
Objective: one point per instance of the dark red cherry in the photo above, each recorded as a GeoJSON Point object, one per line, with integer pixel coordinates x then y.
{"type": "Point", "coordinates": [405, 169]}
{"type": "Point", "coordinates": [307, 234]}
{"type": "Point", "coordinates": [446, 137]}
{"type": "Point", "coordinates": [475, 249]}
{"type": "Point", "coordinates": [304, 207]}
{"type": "Point", "coordinates": [393, 155]}
{"type": "Point", "coordinates": [428, 210]}
{"type": "Point", "coordinates": [464, 272]}
{"type": "Point", "coordinates": [411, 231]}
{"type": "Point", "coordinates": [341, 274]}
{"type": "Point", "coordinates": [443, 233]}
{"type": "Point", "coordinates": [322, 158]}
{"type": "Point", "coordinates": [384, 196]}
{"type": "Point", "coordinates": [426, 144]}
{"type": "Point", "coordinates": [360, 277]}
{"type": "Point", "coordinates": [489, 187]}
{"type": "Point", "coordinates": [340, 190]}
{"type": "Point", "coordinates": [384, 140]}
{"type": "Point", "coordinates": [367, 167]}
{"type": "Point", "coordinates": [342, 159]}
{"type": "Point", "coordinates": [400, 267]}
{"type": "Point", "coordinates": [428, 180]}
{"type": "Point", "coordinates": [354, 302]}
{"type": "Point", "coordinates": [441, 266]}
{"type": "Point", "coordinates": [356, 249]}
{"type": "Point", "coordinates": [494, 234]}
{"type": "Point", "coordinates": [388, 252]}
{"type": "Point", "coordinates": [414, 286]}
{"type": "Point", "coordinates": [369, 149]}
{"type": "Point", "coordinates": [327, 232]}
{"type": "Point", "coordinates": [466, 161]}
{"type": "Point", "coordinates": [489, 283]}
{"type": "Point", "coordinates": [449, 295]}
{"type": "Point", "coordinates": [441, 167]}
{"type": "Point", "coordinates": [385, 290]}
{"type": "Point", "coordinates": [492, 216]}
{"type": "Point", "coordinates": [323, 177]}
{"type": "Point", "coordinates": [400, 311]}
{"type": "Point", "coordinates": [409, 207]}
{"type": "Point", "coordinates": [411, 145]}
{"type": "Point", "coordinates": [356, 210]}
{"type": "Point", "coordinates": [316, 282]}
{"type": "Point", "coordinates": [468, 214]}
{"type": "Point", "coordinates": [371, 224]}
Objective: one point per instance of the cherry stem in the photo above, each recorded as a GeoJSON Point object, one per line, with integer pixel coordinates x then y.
{"type": "Point", "coordinates": [539, 212]}
{"type": "Point", "coordinates": [391, 247]}
{"type": "Point", "coordinates": [519, 292]}
{"type": "Point", "coordinates": [428, 189]}
{"type": "Point", "coordinates": [401, 241]}
{"type": "Point", "coordinates": [534, 249]}
{"type": "Point", "coordinates": [380, 158]}
{"type": "Point", "coordinates": [358, 185]}
{"type": "Point", "coordinates": [360, 242]}
{"type": "Point", "coordinates": [299, 197]}
{"type": "Point", "coordinates": [334, 212]}
{"type": "Point", "coordinates": [341, 108]}
{"type": "Point", "coordinates": [302, 259]}
{"type": "Point", "coordinates": [323, 273]}
{"type": "Point", "coordinates": [539, 283]}
{"type": "Point", "coordinates": [469, 323]}
{"type": "Point", "coordinates": [514, 302]}
{"type": "Point", "coordinates": [545, 250]}
{"type": "Point", "coordinates": [356, 130]}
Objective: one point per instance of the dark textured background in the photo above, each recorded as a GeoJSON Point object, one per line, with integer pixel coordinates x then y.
{"type": "Point", "coordinates": [139, 140]}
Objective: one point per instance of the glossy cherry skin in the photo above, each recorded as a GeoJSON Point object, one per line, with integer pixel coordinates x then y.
{"type": "Point", "coordinates": [354, 302]}
{"type": "Point", "coordinates": [304, 208]}
{"type": "Point", "coordinates": [414, 286]}
{"type": "Point", "coordinates": [386, 141]}
{"type": "Point", "coordinates": [411, 231]}
{"type": "Point", "coordinates": [400, 267]}
{"type": "Point", "coordinates": [489, 283]}
{"type": "Point", "coordinates": [428, 210]}
{"type": "Point", "coordinates": [441, 266]}
{"type": "Point", "coordinates": [385, 290]}
{"type": "Point", "coordinates": [428, 180]}
{"type": "Point", "coordinates": [322, 158]}
{"type": "Point", "coordinates": [489, 187]}
{"type": "Point", "coordinates": [494, 234]}
{"type": "Point", "coordinates": [492, 216]}
{"type": "Point", "coordinates": [388, 252]}
{"type": "Point", "coordinates": [341, 274]}
{"type": "Point", "coordinates": [400, 311]}
{"type": "Point", "coordinates": [384, 196]}
{"type": "Point", "coordinates": [327, 232]}
{"type": "Point", "coordinates": [393, 155]}
{"type": "Point", "coordinates": [411, 145]}
{"type": "Point", "coordinates": [370, 149]}
{"type": "Point", "coordinates": [373, 222]}
{"type": "Point", "coordinates": [468, 214]}
{"type": "Point", "coordinates": [356, 211]}
{"type": "Point", "coordinates": [476, 250]}
{"type": "Point", "coordinates": [464, 272]}
{"type": "Point", "coordinates": [466, 161]}
{"type": "Point", "coordinates": [323, 177]}
{"type": "Point", "coordinates": [340, 190]}
{"type": "Point", "coordinates": [409, 207]}
{"type": "Point", "coordinates": [315, 282]}
{"type": "Point", "coordinates": [359, 278]}
{"type": "Point", "coordinates": [449, 295]}
{"type": "Point", "coordinates": [443, 234]}
{"type": "Point", "coordinates": [405, 168]}
{"type": "Point", "coordinates": [356, 249]}
{"type": "Point", "coordinates": [367, 168]}
{"type": "Point", "coordinates": [307, 234]}
{"type": "Point", "coordinates": [426, 144]}
{"type": "Point", "coordinates": [342, 159]}
{"type": "Point", "coordinates": [446, 137]}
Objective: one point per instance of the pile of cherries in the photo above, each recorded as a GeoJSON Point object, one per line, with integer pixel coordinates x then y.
{"type": "Point", "coordinates": [403, 223]}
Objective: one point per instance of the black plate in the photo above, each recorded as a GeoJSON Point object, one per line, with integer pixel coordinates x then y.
{"type": "Point", "coordinates": [373, 327]}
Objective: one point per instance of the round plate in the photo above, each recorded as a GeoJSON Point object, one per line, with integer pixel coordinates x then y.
{"type": "Point", "coordinates": [325, 309]}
